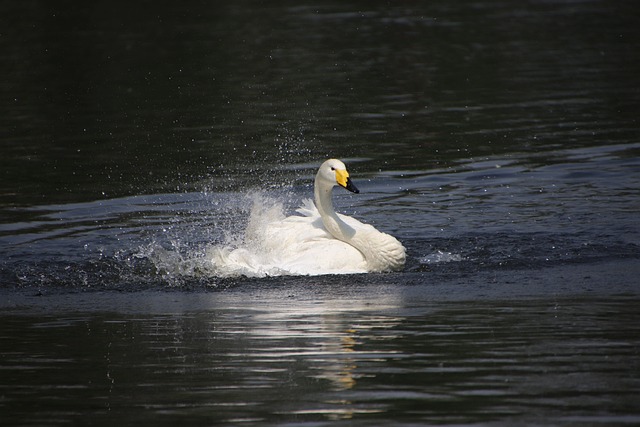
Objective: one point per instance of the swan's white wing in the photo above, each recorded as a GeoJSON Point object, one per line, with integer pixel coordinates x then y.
{"type": "Point", "coordinates": [382, 251]}
{"type": "Point", "coordinates": [294, 245]}
{"type": "Point", "coordinates": [304, 246]}
{"type": "Point", "coordinates": [308, 208]}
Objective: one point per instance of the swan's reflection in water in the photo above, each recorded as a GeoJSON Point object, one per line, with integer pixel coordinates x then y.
{"type": "Point", "coordinates": [268, 357]}
{"type": "Point", "coordinates": [344, 377]}
{"type": "Point", "coordinates": [321, 347]}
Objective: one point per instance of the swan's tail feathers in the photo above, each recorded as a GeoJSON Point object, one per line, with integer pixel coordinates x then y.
{"type": "Point", "coordinates": [308, 208]}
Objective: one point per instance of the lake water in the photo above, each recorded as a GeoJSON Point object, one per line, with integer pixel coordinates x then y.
{"type": "Point", "coordinates": [498, 141]}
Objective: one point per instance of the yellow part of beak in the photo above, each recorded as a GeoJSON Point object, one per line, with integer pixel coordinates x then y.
{"type": "Point", "coordinates": [341, 177]}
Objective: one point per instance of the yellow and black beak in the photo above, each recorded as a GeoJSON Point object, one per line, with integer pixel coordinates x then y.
{"type": "Point", "coordinates": [343, 180]}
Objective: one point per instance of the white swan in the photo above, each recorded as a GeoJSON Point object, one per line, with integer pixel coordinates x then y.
{"type": "Point", "coordinates": [320, 241]}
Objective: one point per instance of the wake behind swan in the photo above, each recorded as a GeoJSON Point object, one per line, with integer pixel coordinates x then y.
{"type": "Point", "coordinates": [317, 241]}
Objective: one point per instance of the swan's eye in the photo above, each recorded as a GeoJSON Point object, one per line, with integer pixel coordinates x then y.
{"type": "Point", "coordinates": [332, 168]}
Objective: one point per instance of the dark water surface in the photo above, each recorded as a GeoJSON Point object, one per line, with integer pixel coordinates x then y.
{"type": "Point", "coordinates": [316, 352]}
{"type": "Point", "coordinates": [499, 141]}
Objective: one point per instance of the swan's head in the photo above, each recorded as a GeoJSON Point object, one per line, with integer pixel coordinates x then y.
{"type": "Point", "coordinates": [334, 172]}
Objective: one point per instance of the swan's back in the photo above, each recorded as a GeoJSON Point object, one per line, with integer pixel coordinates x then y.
{"type": "Point", "coordinates": [381, 251]}
{"type": "Point", "coordinates": [298, 245]}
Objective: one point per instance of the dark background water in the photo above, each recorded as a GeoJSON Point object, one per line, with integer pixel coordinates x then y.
{"type": "Point", "coordinates": [499, 141]}
{"type": "Point", "coordinates": [104, 101]}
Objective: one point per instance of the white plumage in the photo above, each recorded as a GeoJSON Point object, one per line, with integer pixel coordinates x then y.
{"type": "Point", "coordinates": [318, 241]}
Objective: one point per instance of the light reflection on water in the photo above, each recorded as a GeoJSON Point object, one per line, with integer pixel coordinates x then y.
{"type": "Point", "coordinates": [266, 357]}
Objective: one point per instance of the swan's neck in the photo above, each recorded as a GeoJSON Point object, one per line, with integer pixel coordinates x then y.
{"type": "Point", "coordinates": [334, 225]}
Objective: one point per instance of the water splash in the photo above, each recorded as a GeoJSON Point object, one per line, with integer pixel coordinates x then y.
{"type": "Point", "coordinates": [181, 256]}
{"type": "Point", "coordinates": [249, 254]}
{"type": "Point", "coordinates": [440, 257]}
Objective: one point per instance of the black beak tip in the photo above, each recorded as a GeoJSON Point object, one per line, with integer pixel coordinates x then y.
{"type": "Point", "coordinates": [351, 187]}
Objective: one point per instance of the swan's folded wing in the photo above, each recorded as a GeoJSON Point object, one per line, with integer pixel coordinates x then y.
{"type": "Point", "coordinates": [382, 251]}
